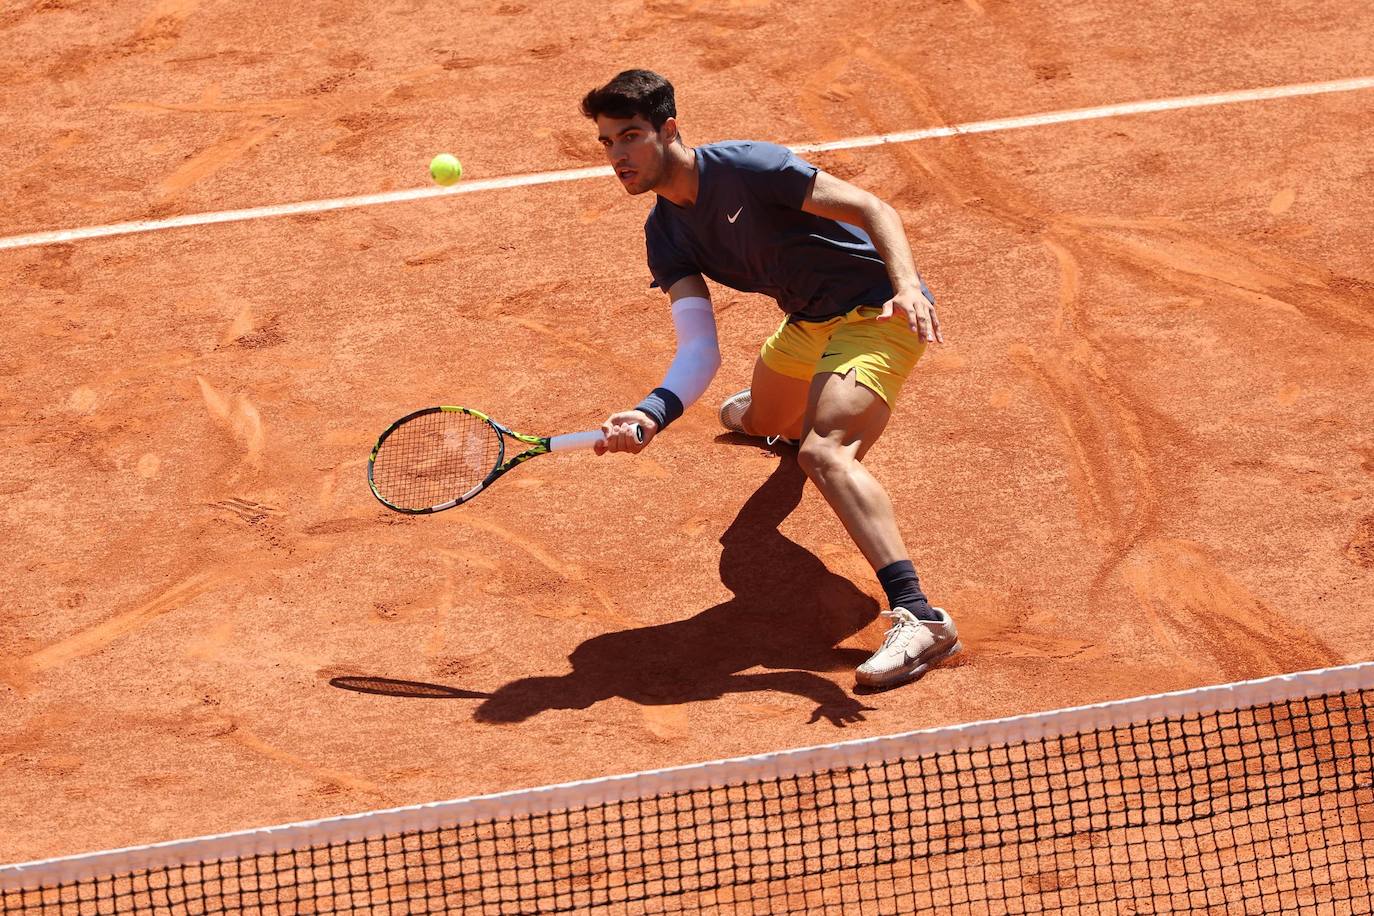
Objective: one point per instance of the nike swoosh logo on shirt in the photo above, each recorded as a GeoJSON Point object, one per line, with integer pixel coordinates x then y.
{"type": "Point", "coordinates": [736, 216]}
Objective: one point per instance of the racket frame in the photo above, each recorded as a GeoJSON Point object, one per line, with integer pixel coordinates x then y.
{"type": "Point", "coordinates": [539, 445]}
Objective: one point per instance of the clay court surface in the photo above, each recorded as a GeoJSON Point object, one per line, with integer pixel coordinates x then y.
{"type": "Point", "coordinates": [1143, 461]}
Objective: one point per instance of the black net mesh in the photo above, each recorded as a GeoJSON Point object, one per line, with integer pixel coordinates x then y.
{"type": "Point", "coordinates": [1266, 809]}
{"type": "Point", "coordinates": [434, 458]}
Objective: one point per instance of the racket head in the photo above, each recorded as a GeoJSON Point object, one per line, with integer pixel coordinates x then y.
{"type": "Point", "coordinates": [434, 459]}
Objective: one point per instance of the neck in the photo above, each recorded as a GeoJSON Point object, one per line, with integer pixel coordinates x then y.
{"type": "Point", "coordinates": [681, 180]}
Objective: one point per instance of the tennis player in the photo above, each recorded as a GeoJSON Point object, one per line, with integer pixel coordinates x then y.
{"type": "Point", "coordinates": [755, 217]}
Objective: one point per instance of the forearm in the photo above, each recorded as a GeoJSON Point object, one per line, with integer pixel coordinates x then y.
{"type": "Point", "coordinates": [884, 227]}
{"type": "Point", "coordinates": [693, 366]}
{"type": "Point", "coordinates": [692, 369]}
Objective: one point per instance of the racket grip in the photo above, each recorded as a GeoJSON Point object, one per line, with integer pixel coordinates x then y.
{"type": "Point", "coordinates": [585, 440]}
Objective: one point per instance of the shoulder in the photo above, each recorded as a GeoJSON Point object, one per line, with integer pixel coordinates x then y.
{"type": "Point", "coordinates": [747, 155]}
{"type": "Point", "coordinates": [660, 221]}
{"type": "Point", "coordinates": [663, 231]}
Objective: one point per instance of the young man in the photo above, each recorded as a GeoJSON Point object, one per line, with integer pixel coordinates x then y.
{"type": "Point", "coordinates": [754, 217]}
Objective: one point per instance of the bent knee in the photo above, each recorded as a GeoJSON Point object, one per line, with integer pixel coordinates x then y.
{"type": "Point", "coordinates": [820, 457]}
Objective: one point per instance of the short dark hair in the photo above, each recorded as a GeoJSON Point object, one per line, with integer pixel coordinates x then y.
{"type": "Point", "coordinates": [633, 92]}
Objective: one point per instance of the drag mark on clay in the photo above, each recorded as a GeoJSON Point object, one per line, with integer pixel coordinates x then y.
{"type": "Point", "coordinates": [64, 142]}
{"type": "Point", "coordinates": [163, 23]}
{"type": "Point", "coordinates": [561, 336]}
{"type": "Point", "coordinates": [336, 779]}
{"type": "Point", "coordinates": [211, 102]}
{"type": "Point", "coordinates": [97, 637]}
{"type": "Point", "coordinates": [1000, 625]}
{"type": "Point", "coordinates": [329, 482]}
{"type": "Point", "coordinates": [241, 325]}
{"type": "Point", "coordinates": [667, 723]}
{"type": "Point", "coordinates": [610, 613]}
{"type": "Point", "coordinates": [1193, 604]}
{"type": "Point", "coordinates": [1282, 202]}
{"type": "Point", "coordinates": [212, 643]}
{"type": "Point", "coordinates": [1068, 283]}
{"type": "Point", "coordinates": [443, 602]}
{"type": "Point", "coordinates": [215, 157]}
{"type": "Point", "coordinates": [1110, 465]}
{"type": "Point", "coordinates": [241, 418]}
{"type": "Point", "coordinates": [1248, 273]}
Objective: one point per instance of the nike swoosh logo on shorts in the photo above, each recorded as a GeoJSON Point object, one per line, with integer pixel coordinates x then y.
{"type": "Point", "coordinates": [736, 216]}
{"type": "Point", "coordinates": [826, 355]}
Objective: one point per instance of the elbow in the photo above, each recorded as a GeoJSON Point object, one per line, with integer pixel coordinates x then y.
{"type": "Point", "coordinates": [879, 211]}
{"type": "Point", "coordinates": [706, 354]}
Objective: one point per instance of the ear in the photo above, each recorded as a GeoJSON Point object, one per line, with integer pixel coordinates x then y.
{"type": "Point", "coordinates": [669, 131]}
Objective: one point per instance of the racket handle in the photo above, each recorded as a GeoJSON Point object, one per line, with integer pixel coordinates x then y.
{"type": "Point", "coordinates": [585, 440]}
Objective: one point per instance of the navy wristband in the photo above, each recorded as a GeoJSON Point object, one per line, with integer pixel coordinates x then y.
{"type": "Point", "coordinates": [662, 406]}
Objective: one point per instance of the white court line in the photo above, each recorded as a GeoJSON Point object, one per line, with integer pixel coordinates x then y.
{"type": "Point", "coordinates": [516, 181]}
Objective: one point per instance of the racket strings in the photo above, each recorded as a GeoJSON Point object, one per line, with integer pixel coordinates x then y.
{"type": "Point", "coordinates": [434, 458]}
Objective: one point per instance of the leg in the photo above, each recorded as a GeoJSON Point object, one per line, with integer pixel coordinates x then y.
{"type": "Point", "coordinates": [843, 420]}
{"type": "Point", "coordinates": [777, 404]}
{"type": "Point", "coordinates": [848, 408]}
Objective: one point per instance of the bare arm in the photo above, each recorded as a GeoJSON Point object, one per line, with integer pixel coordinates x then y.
{"type": "Point", "coordinates": [688, 287]}
{"type": "Point", "coordinates": [836, 199]}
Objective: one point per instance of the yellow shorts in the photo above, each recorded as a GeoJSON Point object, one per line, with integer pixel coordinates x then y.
{"type": "Point", "coordinates": [881, 353]}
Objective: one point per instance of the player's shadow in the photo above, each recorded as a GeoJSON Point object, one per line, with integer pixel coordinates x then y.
{"type": "Point", "coordinates": [788, 615]}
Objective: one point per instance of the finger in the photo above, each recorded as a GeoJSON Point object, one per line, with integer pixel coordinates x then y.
{"type": "Point", "coordinates": [886, 312]}
{"type": "Point", "coordinates": [925, 317]}
{"type": "Point", "coordinates": [612, 438]}
{"type": "Point", "coordinates": [914, 319]}
{"type": "Point", "coordinates": [935, 322]}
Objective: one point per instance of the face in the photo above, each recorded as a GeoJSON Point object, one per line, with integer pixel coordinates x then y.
{"type": "Point", "coordinates": [637, 152]}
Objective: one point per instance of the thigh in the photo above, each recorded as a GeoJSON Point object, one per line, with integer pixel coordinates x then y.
{"type": "Point", "coordinates": [843, 410]}
{"type": "Point", "coordinates": [881, 354]}
{"type": "Point", "coordinates": [777, 401]}
{"type": "Point", "coordinates": [783, 372]}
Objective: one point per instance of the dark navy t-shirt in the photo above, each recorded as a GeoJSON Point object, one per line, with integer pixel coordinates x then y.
{"type": "Point", "coordinates": [747, 231]}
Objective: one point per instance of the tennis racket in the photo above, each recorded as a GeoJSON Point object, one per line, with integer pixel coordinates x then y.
{"type": "Point", "coordinates": [441, 457]}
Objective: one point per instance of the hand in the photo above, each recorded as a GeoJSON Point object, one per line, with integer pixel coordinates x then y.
{"type": "Point", "coordinates": [919, 311]}
{"type": "Point", "coordinates": [619, 430]}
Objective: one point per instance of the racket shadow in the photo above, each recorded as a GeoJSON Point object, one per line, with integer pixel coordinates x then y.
{"type": "Point", "coordinates": [391, 687]}
{"type": "Point", "coordinates": [788, 614]}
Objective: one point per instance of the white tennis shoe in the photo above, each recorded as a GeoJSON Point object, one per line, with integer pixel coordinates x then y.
{"type": "Point", "coordinates": [732, 410]}
{"type": "Point", "coordinates": [911, 646]}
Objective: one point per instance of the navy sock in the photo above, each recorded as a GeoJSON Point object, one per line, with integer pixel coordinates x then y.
{"type": "Point", "coordinates": [903, 589]}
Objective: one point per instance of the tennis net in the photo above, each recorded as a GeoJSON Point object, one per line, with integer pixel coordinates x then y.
{"type": "Point", "coordinates": [1255, 797]}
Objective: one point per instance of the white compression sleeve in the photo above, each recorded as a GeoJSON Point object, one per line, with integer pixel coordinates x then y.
{"type": "Point", "coordinates": [698, 350]}
{"type": "Point", "coordinates": [694, 364]}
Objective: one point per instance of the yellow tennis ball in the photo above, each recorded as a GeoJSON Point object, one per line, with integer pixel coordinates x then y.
{"type": "Point", "coordinates": [445, 168]}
